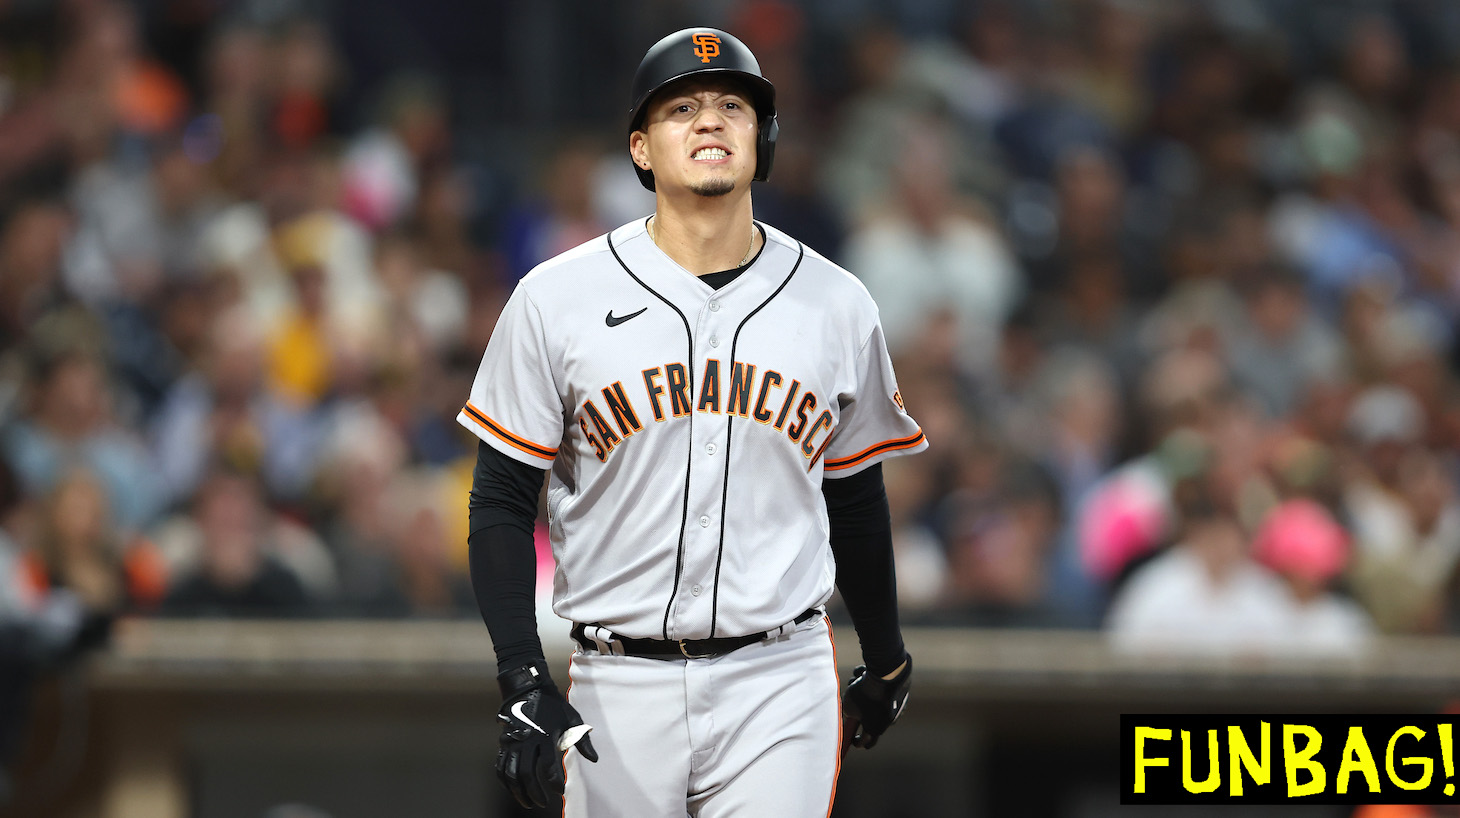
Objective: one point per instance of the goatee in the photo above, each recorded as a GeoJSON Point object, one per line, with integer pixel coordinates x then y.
{"type": "Point", "coordinates": [713, 187]}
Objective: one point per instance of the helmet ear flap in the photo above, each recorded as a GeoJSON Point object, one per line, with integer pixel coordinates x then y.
{"type": "Point", "coordinates": [646, 177]}
{"type": "Point", "coordinates": [765, 148]}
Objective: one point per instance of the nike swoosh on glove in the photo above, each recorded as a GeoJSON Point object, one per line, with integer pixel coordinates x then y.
{"type": "Point", "coordinates": [538, 726]}
{"type": "Point", "coordinates": [871, 704]}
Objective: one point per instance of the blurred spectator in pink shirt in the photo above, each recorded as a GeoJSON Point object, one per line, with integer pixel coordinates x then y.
{"type": "Point", "coordinates": [1204, 595]}
{"type": "Point", "coordinates": [1304, 545]}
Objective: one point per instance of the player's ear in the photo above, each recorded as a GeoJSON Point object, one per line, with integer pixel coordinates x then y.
{"type": "Point", "coordinates": [639, 149]}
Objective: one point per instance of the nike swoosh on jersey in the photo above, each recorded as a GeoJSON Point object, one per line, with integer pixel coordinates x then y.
{"type": "Point", "coordinates": [517, 711]}
{"type": "Point", "coordinates": [614, 321]}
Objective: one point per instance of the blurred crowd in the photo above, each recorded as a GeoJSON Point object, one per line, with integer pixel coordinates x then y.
{"type": "Point", "coordinates": [1171, 286]}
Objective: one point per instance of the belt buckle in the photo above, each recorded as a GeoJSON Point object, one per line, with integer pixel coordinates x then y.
{"type": "Point", "coordinates": [683, 649]}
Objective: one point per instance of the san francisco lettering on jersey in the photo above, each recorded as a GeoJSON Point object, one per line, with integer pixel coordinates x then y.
{"type": "Point", "coordinates": [668, 394]}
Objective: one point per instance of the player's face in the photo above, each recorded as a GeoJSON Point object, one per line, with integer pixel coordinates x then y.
{"type": "Point", "coordinates": [699, 136]}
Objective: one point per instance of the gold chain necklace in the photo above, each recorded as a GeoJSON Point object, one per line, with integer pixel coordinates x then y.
{"type": "Point", "coordinates": [743, 259]}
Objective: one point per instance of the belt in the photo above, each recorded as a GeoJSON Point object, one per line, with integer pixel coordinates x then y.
{"type": "Point", "coordinates": [683, 648]}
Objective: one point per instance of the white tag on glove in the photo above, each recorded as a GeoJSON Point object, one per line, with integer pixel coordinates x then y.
{"type": "Point", "coordinates": [571, 736]}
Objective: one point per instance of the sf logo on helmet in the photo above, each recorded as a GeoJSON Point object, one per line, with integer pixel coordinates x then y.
{"type": "Point", "coordinates": [706, 46]}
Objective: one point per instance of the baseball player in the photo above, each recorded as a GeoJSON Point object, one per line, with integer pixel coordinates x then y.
{"type": "Point", "coordinates": [712, 400]}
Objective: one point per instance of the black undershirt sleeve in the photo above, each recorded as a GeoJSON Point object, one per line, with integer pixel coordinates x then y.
{"type": "Point", "coordinates": [503, 558]}
{"type": "Point", "coordinates": [861, 541]}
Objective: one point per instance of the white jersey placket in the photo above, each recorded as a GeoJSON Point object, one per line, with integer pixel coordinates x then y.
{"type": "Point", "coordinates": [717, 438]}
{"type": "Point", "coordinates": [692, 612]}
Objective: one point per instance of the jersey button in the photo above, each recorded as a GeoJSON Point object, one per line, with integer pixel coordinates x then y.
{"type": "Point", "coordinates": [704, 522]}
{"type": "Point", "coordinates": [714, 306]}
{"type": "Point", "coordinates": [695, 590]}
{"type": "Point", "coordinates": [714, 342]}
{"type": "Point", "coordinates": [710, 448]}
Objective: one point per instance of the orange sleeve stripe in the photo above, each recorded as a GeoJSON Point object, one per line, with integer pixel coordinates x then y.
{"type": "Point", "coordinates": [507, 437]}
{"type": "Point", "coordinates": [874, 450]}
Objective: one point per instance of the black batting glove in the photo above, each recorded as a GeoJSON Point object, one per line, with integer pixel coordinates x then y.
{"type": "Point", "coordinates": [538, 726]}
{"type": "Point", "coordinates": [871, 704]}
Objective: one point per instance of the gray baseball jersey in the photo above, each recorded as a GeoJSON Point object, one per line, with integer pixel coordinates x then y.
{"type": "Point", "coordinates": [688, 429]}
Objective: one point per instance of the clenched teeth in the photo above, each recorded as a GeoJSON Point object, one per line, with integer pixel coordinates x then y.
{"type": "Point", "coordinates": [710, 153]}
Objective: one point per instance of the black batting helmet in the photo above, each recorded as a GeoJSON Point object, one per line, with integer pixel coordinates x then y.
{"type": "Point", "coordinates": [706, 51]}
